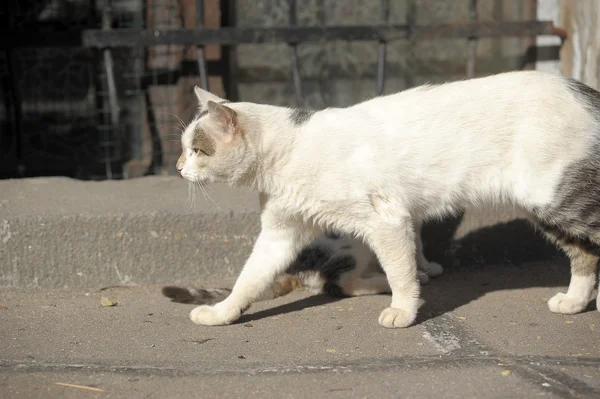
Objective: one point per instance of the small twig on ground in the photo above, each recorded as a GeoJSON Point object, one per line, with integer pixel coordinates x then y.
{"type": "Point", "coordinates": [198, 341]}
{"type": "Point", "coordinates": [64, 384]}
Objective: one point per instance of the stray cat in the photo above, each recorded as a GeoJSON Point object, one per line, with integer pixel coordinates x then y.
{"type": "Point", "coordinates": [378, 169]}
{"type": "Point", "coordinates": [332, 264]}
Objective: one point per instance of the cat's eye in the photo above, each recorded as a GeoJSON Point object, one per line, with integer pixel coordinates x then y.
{"type": "Point", "coordinates": [199, 150]}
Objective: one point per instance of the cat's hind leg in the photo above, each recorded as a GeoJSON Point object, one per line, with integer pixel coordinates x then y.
{"type": "Point", "coordinates": [584, 268]}
{"type": "Point", "coordinates": [583, 280]}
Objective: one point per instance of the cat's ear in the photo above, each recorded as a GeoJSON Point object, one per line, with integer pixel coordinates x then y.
{"type": "Point", "coordinates": [225, 118]}
{"type": "Point", "coordinates": [204, 97]}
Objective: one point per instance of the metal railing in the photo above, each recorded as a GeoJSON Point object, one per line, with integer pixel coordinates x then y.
{"type": "Point", "coordinates": [105, 39]}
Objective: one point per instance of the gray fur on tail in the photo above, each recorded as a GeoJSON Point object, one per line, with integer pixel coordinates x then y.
{"type": "Point", "coordinates": [206, 296]}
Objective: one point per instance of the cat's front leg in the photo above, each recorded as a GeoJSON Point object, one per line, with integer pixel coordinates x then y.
{"type": "Point", "coordinates": [276, 247]}
{"type": "Point", "coordinates": [395, 246]}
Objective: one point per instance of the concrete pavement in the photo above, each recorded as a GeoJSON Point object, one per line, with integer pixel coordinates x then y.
{"type": "Point", "coordinates": [483, 334]}
{"type": "Point", "coordinates": [484, 330]}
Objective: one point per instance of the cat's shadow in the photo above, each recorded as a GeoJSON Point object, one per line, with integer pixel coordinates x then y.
{"type": "Point", "coordinates": [296, 306]}
{"type": "Point", "coordinates": [506, 256]}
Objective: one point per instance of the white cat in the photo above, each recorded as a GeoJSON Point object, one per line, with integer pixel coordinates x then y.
{"type": "Point", "coordinates": [380, 168]}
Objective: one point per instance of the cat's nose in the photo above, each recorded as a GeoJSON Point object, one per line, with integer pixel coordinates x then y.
{"type": "Point", "coordinates": [179, 168]}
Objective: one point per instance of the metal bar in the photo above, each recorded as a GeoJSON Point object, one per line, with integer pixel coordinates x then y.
{"type": "Point", "coordinates": [472, 43]}
{"type": "Point", "coordinates": [15, 105]}
{"type": "Point", "coordinates": [109, 70]}
{"type": "Point", "coordinates": [15, 101]}
{"type": "Point", "coordinates": [112, 90]}
{"type": "Point", "coordinates": [529, 59]}
{"type": "Point", "coordinates": [231, 36]}
{"type": "Point", "coordinates": [200, 48]}
{"type": "Point", "coordinates": [295, 64]}
{"type": "Point", "coordinates": [227, 67]}
{"type": "Point", "coordinates": [157, 152]}
{"type": "Point", "coordinates": [385, 12]}
{"type": "Point", "coordinates": [163, 76]}
{"type": "Point", "coordinates": [12, 38]}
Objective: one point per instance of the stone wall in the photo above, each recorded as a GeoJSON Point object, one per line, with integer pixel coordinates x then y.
{"type": "Point", "coordinates": [342, 73]}
{"type": "Point", "coordinates": [580, 54]}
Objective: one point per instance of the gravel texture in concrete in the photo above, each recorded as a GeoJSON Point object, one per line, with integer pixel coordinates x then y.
{"type": "Point", "coordinates": [485, 333]}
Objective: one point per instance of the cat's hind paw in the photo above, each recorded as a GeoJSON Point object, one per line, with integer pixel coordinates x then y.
{"type": "Point", "coordinates": [562, 303]}
{"type": "Point", "coordinates": [395, 318]}
{"type": "Point", "coordinates": [214, 315]}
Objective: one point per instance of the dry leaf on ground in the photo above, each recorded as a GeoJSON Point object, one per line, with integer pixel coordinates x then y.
{"type": "Point", "coordinates": [104, 301]}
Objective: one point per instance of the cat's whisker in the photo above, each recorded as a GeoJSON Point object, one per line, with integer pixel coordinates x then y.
{"type": "Point", "coordinates": [176, 135]}
{"type": "Point", "coordinates": [213, 201]}
{"type": "Point", "coordinates": [198, 183]}
{"type": "Point", "coordinates": [190, 198]}
{"type": "Point", "coordinates": [213, 190]}
{"type": "Point", "coordinates": [181, 122]}
{"type": "Point", "coordinates": [189, 193]}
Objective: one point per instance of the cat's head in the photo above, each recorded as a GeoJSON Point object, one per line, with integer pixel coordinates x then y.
{"type": "Point", "coordinates": [214, 146]}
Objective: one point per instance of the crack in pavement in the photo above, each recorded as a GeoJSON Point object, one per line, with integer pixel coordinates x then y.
{"type": "Point", "coordinates": [366, 364]}
{"type": "Point", "coordinates": [452, 339]}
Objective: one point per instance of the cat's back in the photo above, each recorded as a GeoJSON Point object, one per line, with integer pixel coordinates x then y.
{"type": "Point", "coordinates": [514, 108]}
{"type": "Point", "coordinates": [516, 129]}
{"type": "Point", "coordinates": [518, 92]}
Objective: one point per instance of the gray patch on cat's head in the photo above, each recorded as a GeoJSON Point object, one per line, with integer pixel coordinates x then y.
{"type": "Point", "coordinates": [586, 94]}
{"type": "Point", "coordinates": [300, 116]}
{"type": "Point", "coordinates": [204, 111]}
{"type": "Point", "coordinates": [203, 142]}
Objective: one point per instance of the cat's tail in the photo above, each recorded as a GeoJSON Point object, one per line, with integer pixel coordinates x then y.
{"type": "Point", "coordinates": [197, 296]}
{"type": "Point", "coordinates": [283, 285]}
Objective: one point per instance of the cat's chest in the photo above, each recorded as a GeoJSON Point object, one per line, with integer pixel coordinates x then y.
{"type": "Point", "coordinates": [319, 203]}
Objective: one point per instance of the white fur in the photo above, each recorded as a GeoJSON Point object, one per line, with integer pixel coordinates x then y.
{"type": "Point", "coordinates": [577, 297]}
{"type": "Point", "coordinates": [379, 168]}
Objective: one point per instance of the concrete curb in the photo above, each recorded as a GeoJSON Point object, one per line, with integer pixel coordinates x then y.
{"type": "Point", "coordinates": [64, 233]}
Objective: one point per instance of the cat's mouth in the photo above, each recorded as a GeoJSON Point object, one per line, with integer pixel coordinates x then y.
{"type": "Point", "coordinates": [198, 179]}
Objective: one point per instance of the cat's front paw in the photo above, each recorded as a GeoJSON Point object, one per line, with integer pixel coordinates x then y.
{"type": "Point", "coordinates": [214, 315]}
{"type": "Point", "coordinates": [562, 303]}
{"type": "Point", "coordinates": [395, 317]}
